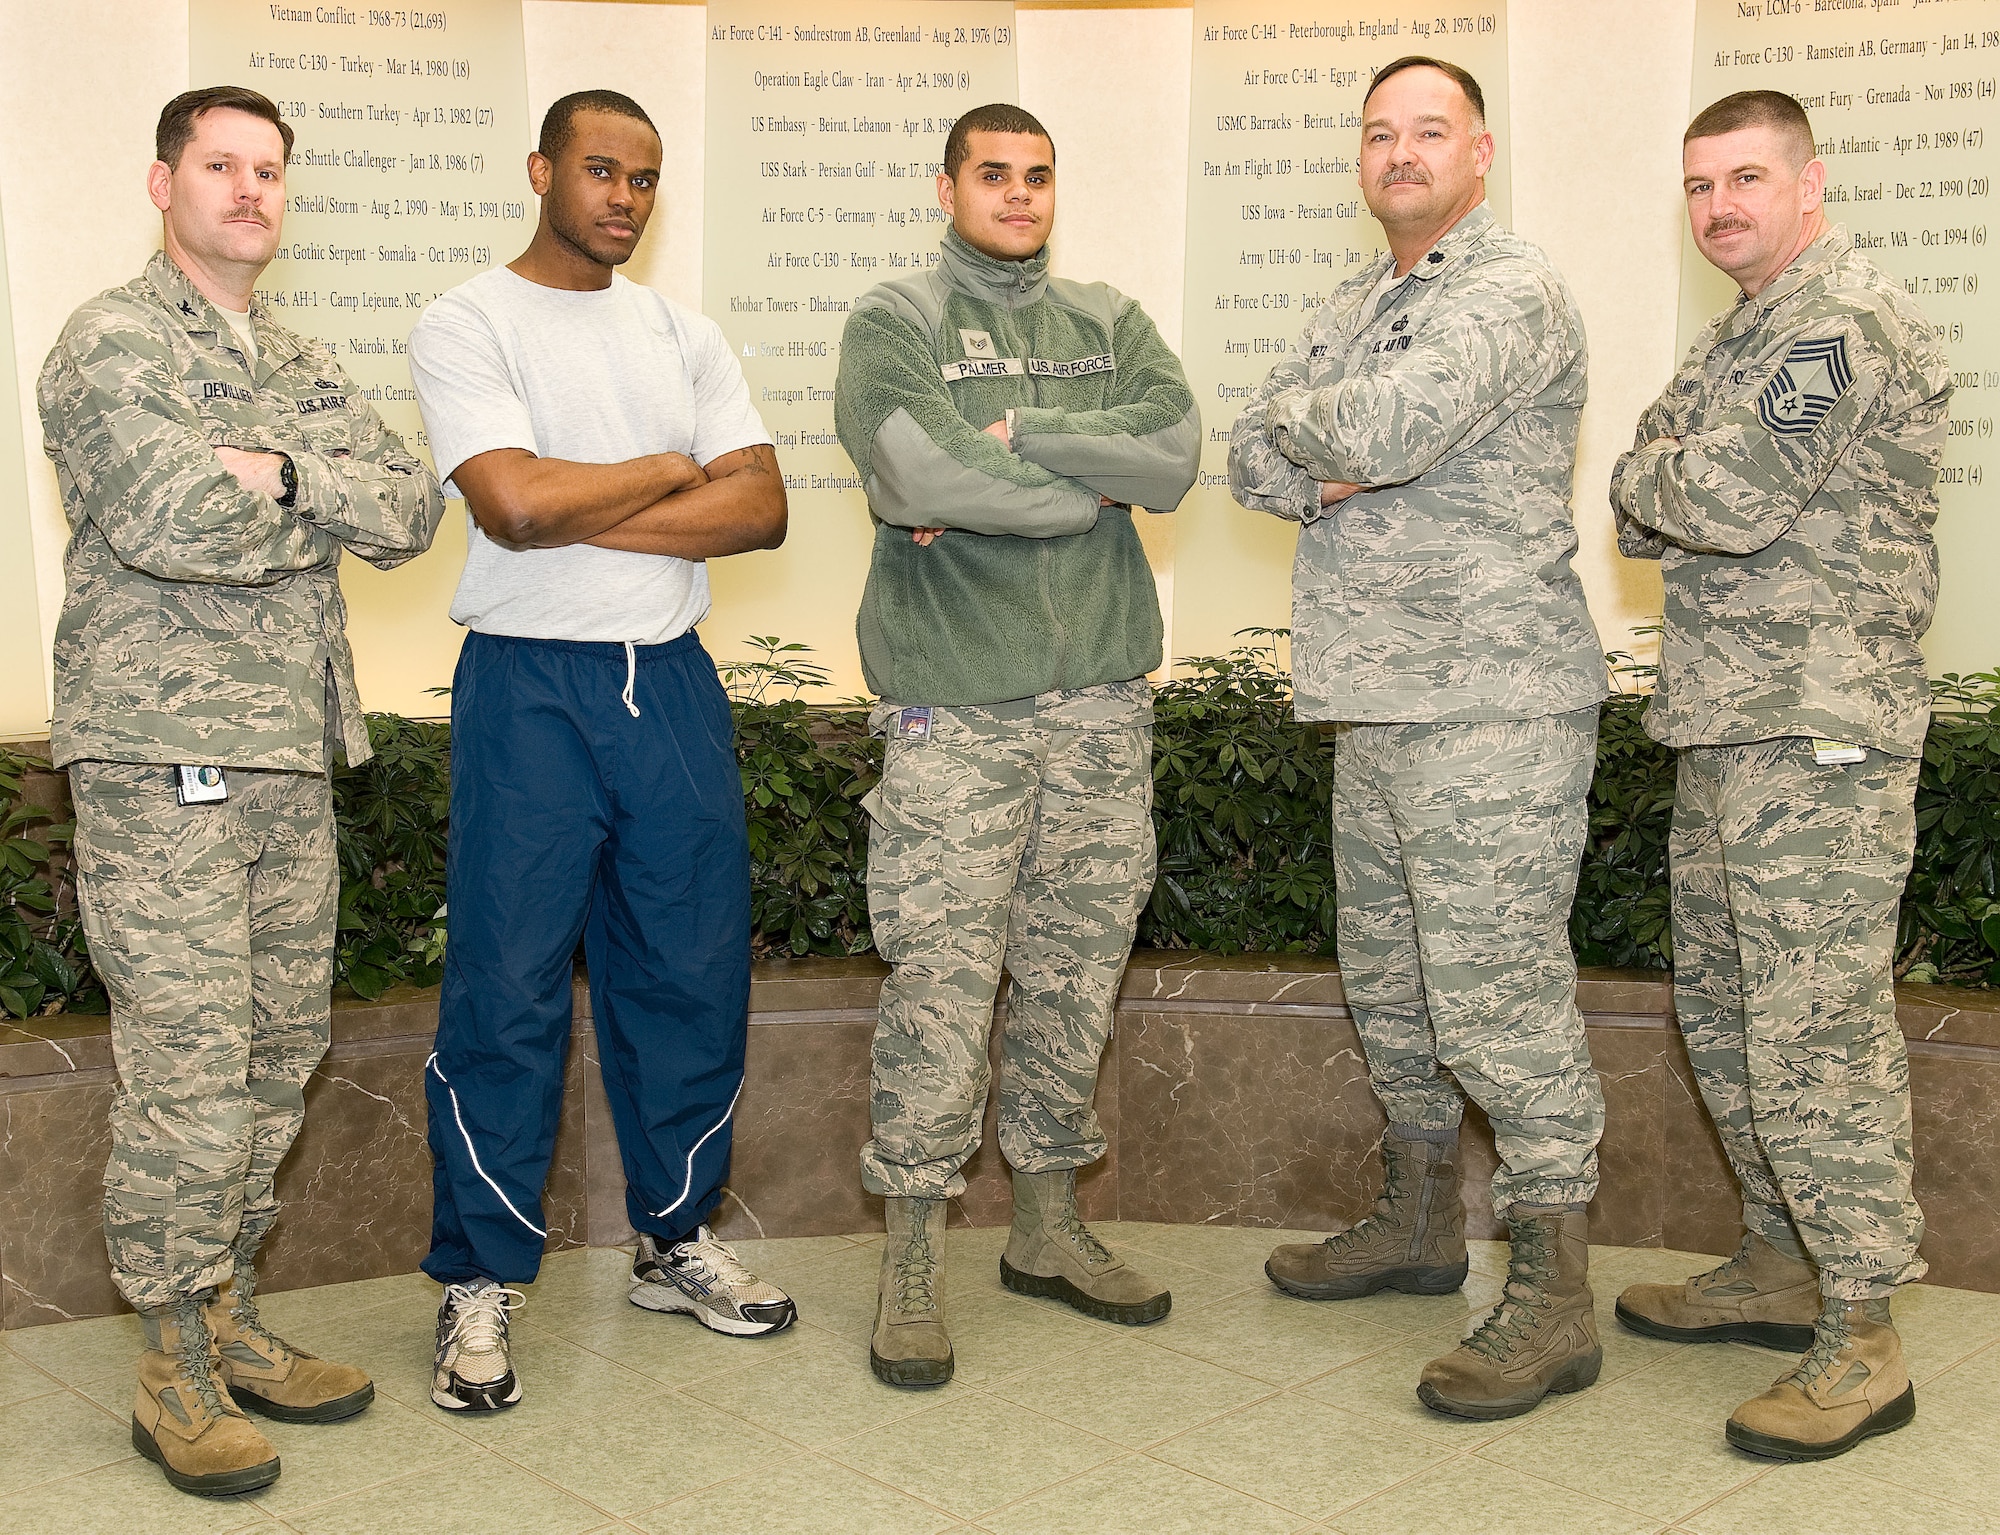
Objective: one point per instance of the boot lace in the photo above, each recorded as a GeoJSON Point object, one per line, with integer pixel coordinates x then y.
{"type": "Point", "coordinates": [243, 1311]}
{"type": "Point", "coordinates": [1531, 1269]}
{"type": "Point", "coordinates": [1732, 1269]}
{"type": "Point", "coordinates": [1093, 1252]}
{"type": "Point", "coordinates": [1830, 1337]}
{"type": "Point", "coordinates": [916, 1269]}
{"type": "Point", "coordinates": [479, 1317]}
{"type": "Point", "coordinates": [193, 1352]}
{"type": "Point", "coordinates": [1395, 1174]}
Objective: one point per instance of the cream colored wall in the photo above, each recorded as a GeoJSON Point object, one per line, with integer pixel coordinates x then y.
{"type": "Point", "coordinates": [24, 694]}
{"type": "Point", "coordinates": [1599, 95]}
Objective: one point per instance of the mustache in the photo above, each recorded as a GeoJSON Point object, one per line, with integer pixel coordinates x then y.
{"type": "Point", "coordinates": [251, 214]}
{"type": "Point", "coordinates": [1413, 174]}
{"type": "Point", "coordinates": [1724, 224]}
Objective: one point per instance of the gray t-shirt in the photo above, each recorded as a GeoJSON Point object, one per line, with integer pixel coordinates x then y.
{"type": "Point", "coordinates": [596, 378]}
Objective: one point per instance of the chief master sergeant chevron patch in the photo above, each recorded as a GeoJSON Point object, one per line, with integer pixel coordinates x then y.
{"type": "Point", "coordinates": [1812, 377]}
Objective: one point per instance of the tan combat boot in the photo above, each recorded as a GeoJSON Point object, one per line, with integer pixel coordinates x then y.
{"type": "Point", "coordinates": [184, 1421]}
{"type": "Point", "coordinates": [272, 1377]}
{"type": "Point", "coordinates": [1542, 1337]}
{"type": "Point", "coordinates": [1760, 1296]}
{"type": "Point", "coordinates": [911, 1346]}
{"type": "Point", "coordinates": [1413, 1240]}
{"type": "Point", "coordinates": [1051, 1253]}
{"type": "Point", "coordinates": [1851, 1385]}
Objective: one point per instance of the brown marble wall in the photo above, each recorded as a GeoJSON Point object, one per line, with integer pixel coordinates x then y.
{"type": "Point", "coordinates": [1234, 1090]}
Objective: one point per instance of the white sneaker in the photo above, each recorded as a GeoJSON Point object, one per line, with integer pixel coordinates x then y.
{"type": "Point", "coordinates": [472, 1371]}
{"type": "Point", "coordinates": [703, 1278]}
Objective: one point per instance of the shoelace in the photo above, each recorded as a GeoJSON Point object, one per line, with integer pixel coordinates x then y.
{"type": "Point", "coordinates": [1532, 1271]}
{"type": "Point", "coordinates": [1829, 1338]}
{"type": "Point", "coordinates": [243, 1310]}
{"type": "Point", "coordinates": [1095, 1253]}
{"type": "Point", "coordinates": [195, 1343]}
{"type": "Point", "coordinates": [718, 1257]}
{"type": "Point", "coordinates": [1728, 1272]}
{"type": "Point", "coordinates": [916, 1271]}
{"type": "Point", "coordinates": [479, 1317]}
{"type": "Point", "coordinates": [1364, 1229]}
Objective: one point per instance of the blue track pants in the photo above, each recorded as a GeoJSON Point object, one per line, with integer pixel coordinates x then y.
{"type": "Point", "coordinates": [573, 816]}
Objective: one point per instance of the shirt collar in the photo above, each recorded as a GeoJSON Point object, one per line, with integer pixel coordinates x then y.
{"type": "Point", "coordinates": [276, 345]}
{"type": "Point", "coordinates": [1010, 284]}
{"type": "Point", "coordinates": [1811, 262]}
{"type": "Point", "coordinates": [1458, 240]}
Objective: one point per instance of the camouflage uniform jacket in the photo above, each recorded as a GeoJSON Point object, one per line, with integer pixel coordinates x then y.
{"type": "Point", "coordinates": [1792, 519]}
{"type": "Point", "coordinates": [202, 622]}
{"type": "Point", "coordinates": [1444, 591]}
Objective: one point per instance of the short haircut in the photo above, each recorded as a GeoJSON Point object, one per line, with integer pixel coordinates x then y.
{"type": "Point", "coordinates": [994, 117]}
{"type": "Point", "coordinates": [1459, 77]}
{"type": "Point", "coordinates": [559, 122]}
{"type": "Point", "coordinates": [178, 117]}
{"type": "Point", "coordinates": [1757, 109]}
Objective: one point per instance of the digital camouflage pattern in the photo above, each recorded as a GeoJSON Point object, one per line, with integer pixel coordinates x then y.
{"type": "Point", "coordinates": [1792, 519]}
{"type": "Point", "coordinates": [1786, 882]}
{"type": "Point", "coordinates": [212, 927]}
{"type": "Point", "coordinates": [202, 622]}
{"type": "Point", "coordinates": [1456, 849]}
{"type": "Point", "coordinates": [1020, 835]}
{"type": "Point", "coordinates": [1446, 592]}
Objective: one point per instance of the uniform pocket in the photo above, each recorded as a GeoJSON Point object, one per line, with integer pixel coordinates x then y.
{"type": "Point", "coordinates": [1405, 624]}
{"type": "Point", "coordinates": [1757, 628]}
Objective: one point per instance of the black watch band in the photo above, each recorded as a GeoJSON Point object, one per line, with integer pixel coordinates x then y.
{"type": "Point", "coordinates": [288, 476]}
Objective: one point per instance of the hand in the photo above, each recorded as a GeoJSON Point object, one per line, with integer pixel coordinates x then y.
{"type": "Point", "coordinates": [999, 429]}
{"type": "Point", "coordinates": [696, 476]}
{"type": "Point", "coordinates": [256, 471]}
{"type": "Point", "coordinates": [923, 538]}
{"type": "Point", "coordinates": [1333, 492]}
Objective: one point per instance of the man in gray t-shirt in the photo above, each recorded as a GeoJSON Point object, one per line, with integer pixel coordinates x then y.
{"type": "Point", "coordinates": [605, 444]}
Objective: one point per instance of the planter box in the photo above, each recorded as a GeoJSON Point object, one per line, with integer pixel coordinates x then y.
{"type": "Point", "coordinates": [1234, 1091]}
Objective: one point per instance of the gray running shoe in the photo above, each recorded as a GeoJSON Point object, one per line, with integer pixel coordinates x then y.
{"type": "Point", "coordinates": [702, 1278]}
{"type": "Point", "coordinates": [473, 1372]}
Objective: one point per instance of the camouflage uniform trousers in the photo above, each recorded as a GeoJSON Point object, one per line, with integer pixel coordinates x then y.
{"type": "Point", "coordinates": [1786, 880]}
{"type": "Point", "coordinates": [1455, 853]}
{"type": "Point", "coordinates": [212, 927]}
{"type": "Point", "coordinates": [1016, 834]}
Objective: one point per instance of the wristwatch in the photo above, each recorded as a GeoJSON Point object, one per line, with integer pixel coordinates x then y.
{"type": "Point", "coordinates": [288, 476]}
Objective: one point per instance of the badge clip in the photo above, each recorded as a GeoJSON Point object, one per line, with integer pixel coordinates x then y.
{"type": "Point", "coordinates": [1837, 753]}
{"type": "Point", "coordinates": [200, 785]}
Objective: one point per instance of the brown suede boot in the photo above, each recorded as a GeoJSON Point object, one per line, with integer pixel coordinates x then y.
{"type": "Point", "coordinates": [1413, 1240]}
{"type": "Point", "coordinates": [1760, 1296]}
{"type": "Point", "coordinates": [910, 1346]}
{"type": "Point", "coordinates": [1851, 1385]}
{"type": "Point", "coordinates": [272, 1377]}
{"type": "Point", "coordinates": [1051, 1253]}
{"type": "Point", "coordinates": [183, 1420]}
{"type": "Point", "coordinates": [1542, 1337]}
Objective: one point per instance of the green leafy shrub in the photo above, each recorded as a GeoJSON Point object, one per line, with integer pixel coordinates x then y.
{"type": "Point", "coordinates": [1241, 803]}
{"type": "Point", "coordinates": [1241, 793]}
{"type": "Point", "coordinates": [1950, 926]}
{"type": "Point", "coordinates": [44, 962]}
{"type": "Point", "coordinates": [391, 814]}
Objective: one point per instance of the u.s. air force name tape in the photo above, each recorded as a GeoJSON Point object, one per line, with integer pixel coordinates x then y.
{"type": "Point", "coordinates": [1014, 367]}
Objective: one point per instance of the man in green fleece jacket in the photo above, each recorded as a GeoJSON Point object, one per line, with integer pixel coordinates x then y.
{"type": "Point", "coordinates": [1005, 424]}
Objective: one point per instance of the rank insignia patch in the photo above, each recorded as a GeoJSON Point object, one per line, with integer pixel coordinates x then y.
{"type": "Point", "coordinates": [1811, 379]}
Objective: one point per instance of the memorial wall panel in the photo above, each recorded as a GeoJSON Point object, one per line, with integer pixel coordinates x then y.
{"type": "Point", "coordinates": [24, 696]}
{"type": "Point", "coordinates": [824, 134]}
{"type": "Point", "coordinates": [1906, 113]}
{"type": "Point", "coordinates": [1276, 222]}
{"type": "Point", "coordinates": [408, 177]}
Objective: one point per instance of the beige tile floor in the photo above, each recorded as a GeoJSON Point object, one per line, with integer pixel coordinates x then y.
{"type": "Point", "coordinates": [1243, 1411]}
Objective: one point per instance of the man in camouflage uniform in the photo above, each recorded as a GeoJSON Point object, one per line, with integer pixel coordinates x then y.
{"type": "Point", "coordinates": [212, 466]}
{"type": "Point", "coordinates": [1785, 482]}
{"type": "Point", "coordinates": [1004, 423]}
{"type": "Point", "coordinates": [1424, 432]}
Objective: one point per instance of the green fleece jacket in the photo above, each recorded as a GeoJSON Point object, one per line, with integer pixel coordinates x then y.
{"type": "Point", "coordinates": [1035, 585]}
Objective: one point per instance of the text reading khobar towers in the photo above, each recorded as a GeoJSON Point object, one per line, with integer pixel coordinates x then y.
{"type": "Point", "coordinates": [1905, 104]}
{"type": "Point", "coordinates": [406, 175]}
{"type": "Point", "coordinates": [1276, 221]}
{"type": "Point", "coordinates": [825, 134]}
